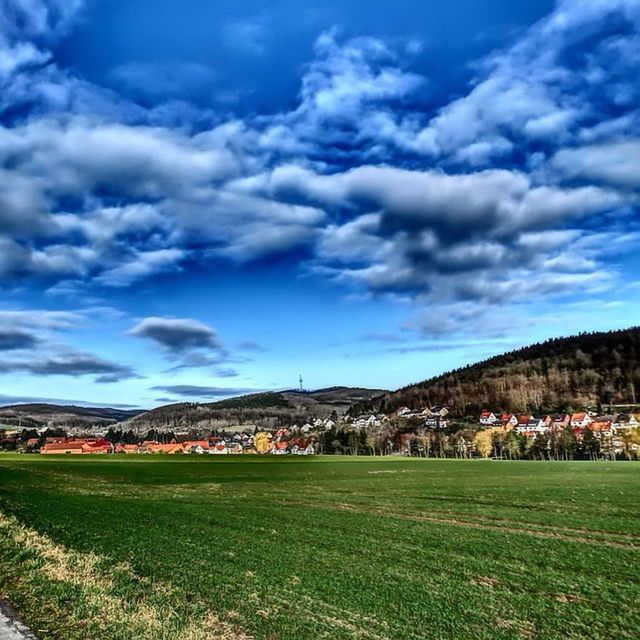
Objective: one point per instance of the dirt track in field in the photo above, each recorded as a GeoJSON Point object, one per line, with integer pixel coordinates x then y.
{"type": "Point", "coordinates": [487, 523]}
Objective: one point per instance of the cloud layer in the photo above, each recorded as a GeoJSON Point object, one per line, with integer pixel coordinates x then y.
{"type": "Point", "coordinates": [98, 189]}
{"type": "Point", "coordinates": [522, 189]}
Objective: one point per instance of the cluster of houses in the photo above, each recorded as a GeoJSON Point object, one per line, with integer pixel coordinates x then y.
{"type": "Point", "coordinates": [282, 442]}
{"type": "Point", "coordinates": [531, 426]}
{"type": "Point", "coordinates": [433, 417]}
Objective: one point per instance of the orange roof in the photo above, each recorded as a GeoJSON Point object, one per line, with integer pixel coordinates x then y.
{"type": "Point", "coordinates": [578, 416]}
{"type": "Point", "coordinates": [164, 448]}
{"type": "Point", "coordinates": [63, 446]}
{"type": "Point", "coordinates": [194, 443]}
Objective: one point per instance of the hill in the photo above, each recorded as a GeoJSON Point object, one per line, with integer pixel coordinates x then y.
{"type": "Point", "coordinates": [269, 409]}
{"type": "Point", "coordinates": [588, 369]}
{"type": "Point", "coordinates": [42, 415]}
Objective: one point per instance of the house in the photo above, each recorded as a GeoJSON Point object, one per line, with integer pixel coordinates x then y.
{"type": "Point", "coordinates": [97, 447]}
{"type": "Point", "coordinates": [302, 447]}
{"type": "Point", "coordinates": [219, 448]}
{"type": "Point", "coordinates": [626, 421]}
{"type": "Point", "coordinates": [601, 427]}
{"type": "Point", "coordinates": [78, 447]}
{"type": "Point", "coordinates": [281, 448]}
{"type": "Point", "coordinates": [439, 410]}
{"type": "Point", "coordinates": [58, 448]}
{"type": "Point", "coordinates": [537, 425]}
{"type": "Point", "coordinates": [580, 420]}
{"type": "Point", "coordinates": [530, 426]}
{"type": "Point", "coordinates": [196, 446]}
{"type": "Point", "coordinates": [488, 418]}
{"type": "Point", "coordinates": [508, 420]}
{"type": "Point", "coordinates": [561, 420]}
{"type": "Point", "coordinates": [403, 412]}
{"type": "Point", "coordinates": [170, 449]}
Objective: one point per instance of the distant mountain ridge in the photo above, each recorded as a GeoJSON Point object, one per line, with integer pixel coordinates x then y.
{"type": "Point", "coordinates": [37, 415]}
{"type": "Point", "coordinates": [270, 408]}
{"type": "Point", "coordinates": [588, 369]}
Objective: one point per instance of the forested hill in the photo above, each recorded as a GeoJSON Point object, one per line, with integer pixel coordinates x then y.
{"type": "Point", "coordinates": [589, 369]}
{"type": "Point", "coordinates": [270, 409]}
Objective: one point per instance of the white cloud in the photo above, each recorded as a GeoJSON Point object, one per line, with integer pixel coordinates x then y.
{"type": "Point", "coordinates": [615, 163]}
{"type": "Point", "coordinates": [567, 71]}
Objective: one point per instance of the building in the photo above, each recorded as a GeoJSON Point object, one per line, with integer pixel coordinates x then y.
{"type": "Point", "coordinates": [488, 418]}
{"type": "Point", "coordinates": [580, 420]}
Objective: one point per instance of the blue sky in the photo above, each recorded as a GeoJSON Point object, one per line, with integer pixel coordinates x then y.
{"type": "Point", "coordinates": [201, 199]}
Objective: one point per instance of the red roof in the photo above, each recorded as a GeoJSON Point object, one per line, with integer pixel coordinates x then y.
{"type": "Point", "coordinates": [603, 425]}
{"type": "Point", "coordinates": [195, 443]}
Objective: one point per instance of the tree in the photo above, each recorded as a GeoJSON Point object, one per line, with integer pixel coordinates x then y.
{"type": "Point", "coordinates": [631, 444]}
{"type": "Point", "coordinates": [483, 444]}
{"type": "Point", "coordinates": [590, 445]}
{"type": "Point", "coordinates": [511, 445]}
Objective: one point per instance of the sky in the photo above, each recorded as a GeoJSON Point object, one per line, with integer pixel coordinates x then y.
{"type": "Point", "coordinates": [203, 199]}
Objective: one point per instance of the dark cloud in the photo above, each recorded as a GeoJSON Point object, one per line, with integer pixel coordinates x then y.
{"type": "Point", "coordinates": [11, 339]}
{"type": "Point", "coordinates": [188, 342]}
{"type": "Point", "coordinates": [195, 391]}
{"type": "Point", "coordinates": [178, 335]}
{"type": "Point", "coordinates": [70, 364]}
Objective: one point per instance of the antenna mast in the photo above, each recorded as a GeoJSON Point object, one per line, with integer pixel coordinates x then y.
{"type": "Point", "coordinates": [300, 380]}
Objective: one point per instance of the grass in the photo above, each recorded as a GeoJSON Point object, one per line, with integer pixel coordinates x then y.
{"type": "Point", "coordinates": [193, 548]}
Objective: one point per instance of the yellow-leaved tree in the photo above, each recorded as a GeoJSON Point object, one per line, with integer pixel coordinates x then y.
{"type": "Point", "coordinates": [482, 442]}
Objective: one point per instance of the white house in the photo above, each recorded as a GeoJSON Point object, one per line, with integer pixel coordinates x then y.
{"type": "Point", "coordinates": [488, 418]}
{"type": "Point", "coordinates": [581, 420]}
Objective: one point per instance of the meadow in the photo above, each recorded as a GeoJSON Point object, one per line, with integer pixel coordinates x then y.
{"type": "Point", "coordinates": [189, 548]}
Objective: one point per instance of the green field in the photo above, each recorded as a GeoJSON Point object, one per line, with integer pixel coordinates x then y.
{"type": "Point", "coordinates": [192, 548]}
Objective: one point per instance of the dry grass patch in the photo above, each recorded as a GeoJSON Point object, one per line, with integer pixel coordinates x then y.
{"type": "Point", "coordinates": [485, 581]}
{"type": "Point", "coordinates": [107, 611]}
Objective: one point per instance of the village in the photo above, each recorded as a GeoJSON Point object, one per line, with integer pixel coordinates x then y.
{"type": "Point", "coordinates": [280, 442]}
{"type": "Point", "coordinates": [422, 432]}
